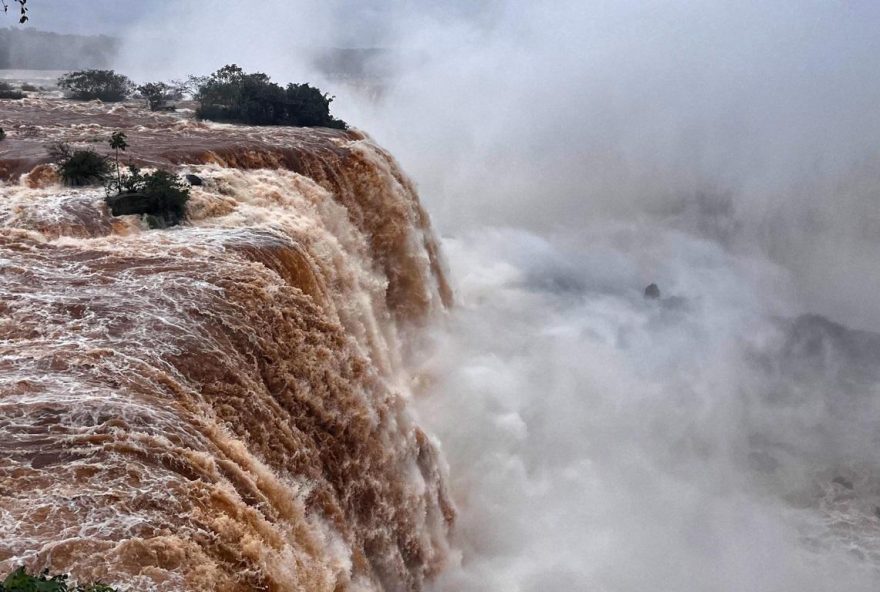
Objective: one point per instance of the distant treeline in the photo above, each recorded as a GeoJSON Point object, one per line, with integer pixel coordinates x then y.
{"type": "Point", "coordinates": [29, 49]}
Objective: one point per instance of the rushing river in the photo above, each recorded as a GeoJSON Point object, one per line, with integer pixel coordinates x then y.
{"type": "Point", "coordinates": [221, 406]}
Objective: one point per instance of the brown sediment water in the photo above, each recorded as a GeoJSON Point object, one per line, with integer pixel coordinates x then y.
{"type": "Point", "coordinates": [222, 405]}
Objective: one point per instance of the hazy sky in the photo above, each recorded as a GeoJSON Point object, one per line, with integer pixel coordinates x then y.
{"type": "Point", "coordinates": [364, 19]}
{"type": "Point", "coordinates": [85, 16]}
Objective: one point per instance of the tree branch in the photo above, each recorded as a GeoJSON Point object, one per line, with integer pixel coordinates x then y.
{"type": "Point", "coordinates": [23, 7]}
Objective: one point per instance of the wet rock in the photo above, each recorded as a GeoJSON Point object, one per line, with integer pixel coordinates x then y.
{"type": "Point", "coordinates": [194, 180]}
{"type": "Point", "coordinates": [652, 292]}
{"type": "Point", "coordinates": [845, 483]}
{"type": "Point", "coordinates": [159, 213]}
{"type": "Point", "coordinates": [133, 203]}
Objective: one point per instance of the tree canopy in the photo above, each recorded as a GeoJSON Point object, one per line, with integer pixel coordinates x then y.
{"type": "Point", "coordinates": [231, 94]}
{"type": "Point", "coordinates": [105, 85]}
{"type": "Point", "coordinates": [22, 4]}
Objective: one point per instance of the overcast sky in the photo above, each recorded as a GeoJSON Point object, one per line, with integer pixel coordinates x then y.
{"type": "Point", "coordinates": [85, 16]}
{"type": "Point", "coordinates": [360, 23]}
{"type": "Point", "coordinates": [112, 17]}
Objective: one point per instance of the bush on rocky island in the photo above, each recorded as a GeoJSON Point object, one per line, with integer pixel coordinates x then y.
{"type": "Point", "coordinates": [160, 196]}
{"type": "Point", "coordinates": [7, 91]}
{"type": "Point", "coordinates": [104, 85]}
{"type": "Point", "coordinates": [231, 95]}
{"type": "Point", "coordinates": [78, 168]}
{"type": "Point", "coordinates": [158, 95]}
{"type": "Point", "coordinates": [21, 581]}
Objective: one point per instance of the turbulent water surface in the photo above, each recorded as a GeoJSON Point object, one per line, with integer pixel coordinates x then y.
{"type": "Point", "coordinates": [220, 406]}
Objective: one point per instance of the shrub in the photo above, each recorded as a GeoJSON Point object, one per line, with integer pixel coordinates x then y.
{"type": "Point", "coordinates": [105, 85]}
{"type": "Point", "coordinates": [157, 95]}
{"type": "Point", "coordinates": [8, 92]}
{"type": "Point", "coordinates": [161, 196]}
{"type": "Point", "coordinates": [170, 195]}
{"type": "Point", "coordinates": [80, 167]}
{"type": "Point", "coordinates": [21, 581]}
{"type": "Point", "coordinates": [29, 88]}
{"type": "Point", "coordinates": [310, 107]}
{"type": "Point", "coordinates": [229, 94]}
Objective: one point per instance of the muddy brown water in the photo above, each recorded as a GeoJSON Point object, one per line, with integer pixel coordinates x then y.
{"type": "Point", "coordinates": [223, 405]}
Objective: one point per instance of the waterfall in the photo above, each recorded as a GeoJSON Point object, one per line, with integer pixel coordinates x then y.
{"type": "Point", "coordinates": [223, 405]}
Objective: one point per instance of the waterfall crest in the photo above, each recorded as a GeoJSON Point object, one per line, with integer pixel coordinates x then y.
{"type": "Point", "coordinates": [221, 406]}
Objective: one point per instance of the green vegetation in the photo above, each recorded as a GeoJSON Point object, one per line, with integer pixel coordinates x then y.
{"type": "Point", "coordinates": [158, 95]}
{"type": "Point", "coordinates": [308, 106]}
{"type": "Point", "coordinates": [229, 94]}
{"type": "Point", "coordinates": [106, 85]}
{"type": "Point", "coordinates": [117, 142]}
{"type": "Point", "coordinates": [78, 168]}
{"type": "Point", "coordinates": [7, 91]}
{"type": "Point", "coordinates": [21, 581]}
{"type": "Point", "coordinates": [160, 196]}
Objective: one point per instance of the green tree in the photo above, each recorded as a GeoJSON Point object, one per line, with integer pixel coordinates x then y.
{"type": "Point", "coordinates": [230, 94]}
{"type": "Point", "coordinates": [157, 94]}
{"type": "Point", "coordinates": [160, 196]}
{"type": "Point", "coordinates": [117, 143]}
{"type": "Point", "coordinates": [105, 85]}
{"type": "Point", "coordinates": [309, 106]}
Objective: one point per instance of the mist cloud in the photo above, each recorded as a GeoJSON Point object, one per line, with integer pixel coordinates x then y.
{"type": "Point", "coordinates": [754, 124]}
